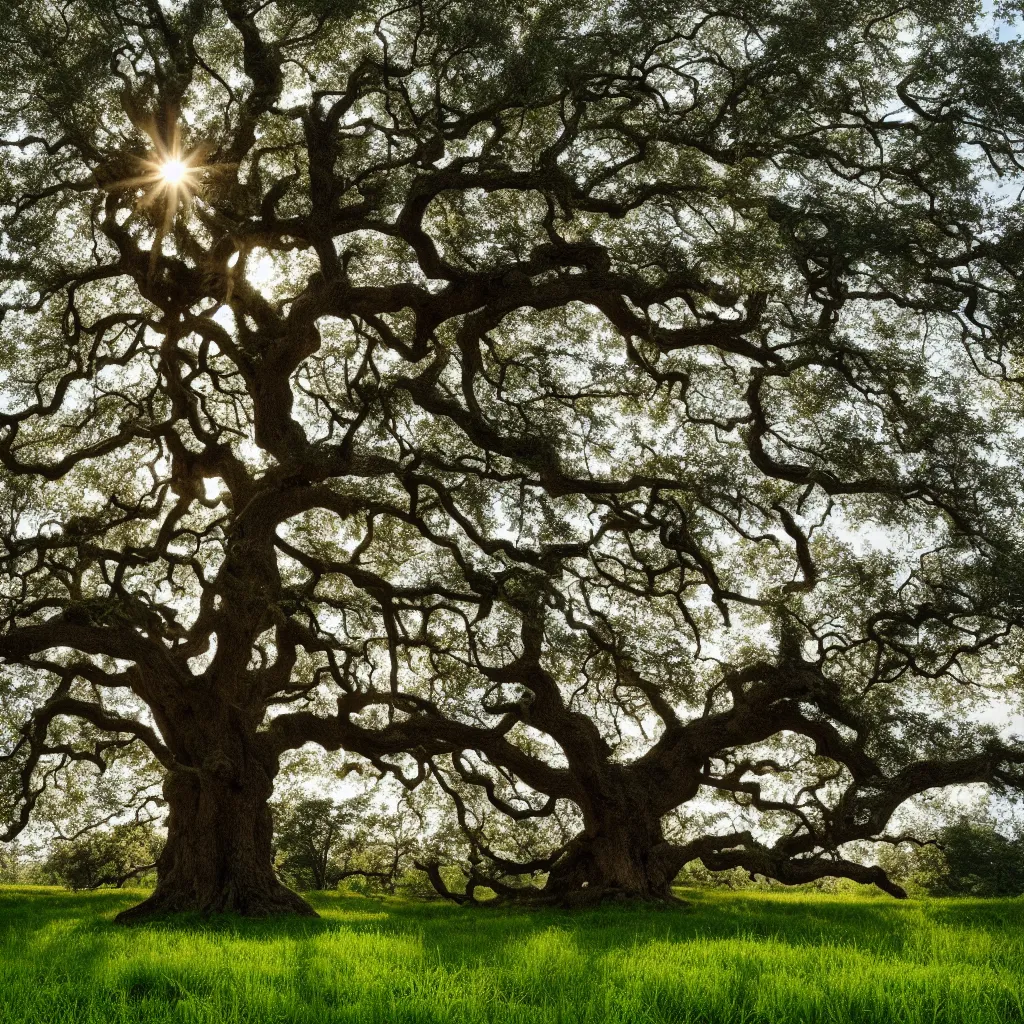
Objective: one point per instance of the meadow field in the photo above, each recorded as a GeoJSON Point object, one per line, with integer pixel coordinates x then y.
{"type": "Point", "coordinates": [726, 958]}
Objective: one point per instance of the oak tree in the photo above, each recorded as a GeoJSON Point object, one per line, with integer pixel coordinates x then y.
{"type": "Point", "coordinates": [590, 409]}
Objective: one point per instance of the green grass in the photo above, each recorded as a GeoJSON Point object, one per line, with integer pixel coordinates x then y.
{"type": "Point", "coordinates": [729, 958]}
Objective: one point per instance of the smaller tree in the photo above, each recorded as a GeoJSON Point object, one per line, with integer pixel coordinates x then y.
{"type": "Point", "coordinates": [321, 843]}
{"type": "Point", "coordinates": [111, 856]}
{"type": "Point", "coordinates": [309, 834]}
{"type": "Point", "coordinates": [12, 868]}
{"type": "Point", "coordinates": [395, 839]}
{"type": "Point", "coordinates": [979, 860]}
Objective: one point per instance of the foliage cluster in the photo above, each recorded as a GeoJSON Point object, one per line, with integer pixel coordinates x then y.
{"type": "Point", "coordinates": [968, 857]}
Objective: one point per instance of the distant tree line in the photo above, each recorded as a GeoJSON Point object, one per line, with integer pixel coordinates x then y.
{"type": "Point", "coordinates": [323, 844]}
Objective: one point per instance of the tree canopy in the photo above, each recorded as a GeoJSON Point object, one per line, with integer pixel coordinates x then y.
{"type": "Point", "coordinates": [593, 411]}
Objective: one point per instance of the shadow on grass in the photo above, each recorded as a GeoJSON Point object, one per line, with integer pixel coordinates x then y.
{"type": "Point", "coordinates": [467, 934]}
{"type": "Point", "coordinates": [987, 914]}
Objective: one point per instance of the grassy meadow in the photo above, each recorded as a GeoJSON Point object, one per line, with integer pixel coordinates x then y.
{"type": "Point", "coordinates": [734, 958]}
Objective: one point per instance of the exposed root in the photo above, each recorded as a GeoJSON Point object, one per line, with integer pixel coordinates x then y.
{"type": "Point", "coordinates": [256, 904]}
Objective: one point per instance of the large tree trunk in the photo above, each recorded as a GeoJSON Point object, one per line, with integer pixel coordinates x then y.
{"type": "Point", "coordinates": [621, 854]}
{"type": "Point", "coordinates": [219, 851]}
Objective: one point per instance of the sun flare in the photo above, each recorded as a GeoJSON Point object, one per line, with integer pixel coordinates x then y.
{"type": "Point", "coordinates": [173, 172]}
{"type": "Point", "coordinates": [169, 177]}
{"type": "Point", "coordinates": [169, 180]}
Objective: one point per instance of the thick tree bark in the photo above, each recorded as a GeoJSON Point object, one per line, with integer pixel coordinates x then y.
{"type": "Point", "coordinates": [219, 851]}
{"type": "Point", "coordinates": [621, 854]}
{"type": "Point", "coordinates": [612, 865]}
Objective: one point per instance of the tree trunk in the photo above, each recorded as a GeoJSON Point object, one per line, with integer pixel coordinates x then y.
{"type": "Point", "coordinates": [621, 854]}
{"type": "Point", "coordinates": [219, 852]}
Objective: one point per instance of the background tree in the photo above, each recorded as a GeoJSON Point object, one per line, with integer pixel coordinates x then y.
{"type": "Point", "coordinates": [978, 859]}
{"type": "Point", "coordinates": [312, 835]}
{"type": "Point", "coordinates": [105, 857]}
{"type": "Point", "coordinates": [587, 411]}
{"type": "Point", "coordinates": [396, 841]}
{"type": "Point", "coordinates": [321, 843]}
{"type": "Point", "coordinates": [12, 868]}
{"type": "Point", "coordinates": [308, 835]}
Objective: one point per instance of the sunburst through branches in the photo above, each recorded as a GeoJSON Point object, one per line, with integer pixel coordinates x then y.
{"type": "Point", "coordinates": [174, 172]}
{"type": "Point", "coordinates": [169, 179]}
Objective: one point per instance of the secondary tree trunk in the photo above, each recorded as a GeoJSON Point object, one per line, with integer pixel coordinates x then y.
{"type": "Point", "coordinates": [219, 851]}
